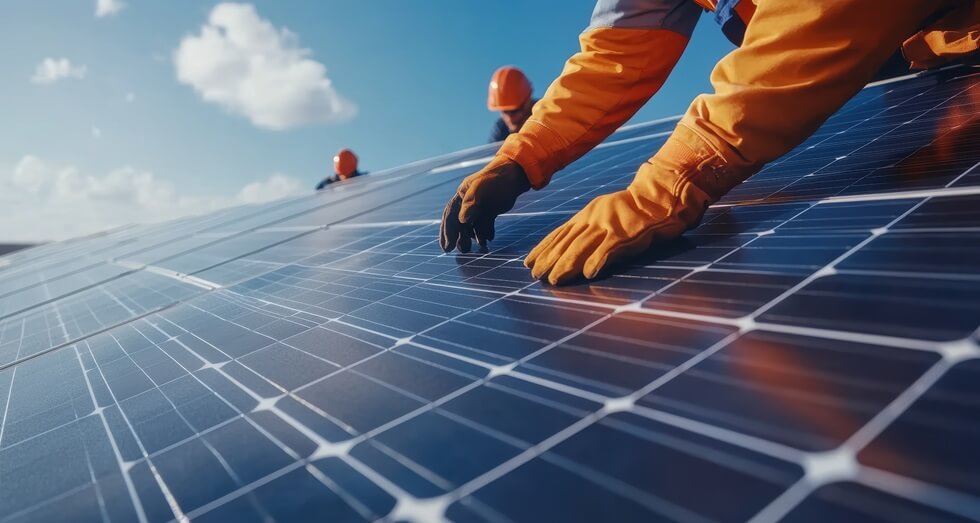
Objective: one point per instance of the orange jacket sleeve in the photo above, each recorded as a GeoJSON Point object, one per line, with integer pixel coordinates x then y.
{"type": "Point", "coordinates": [800, 62]}
{"type": "Point", "coordinates": [626, 55]}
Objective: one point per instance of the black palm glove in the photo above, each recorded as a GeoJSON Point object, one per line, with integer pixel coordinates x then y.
{"type": "Point", "coordinates": [478, 201]}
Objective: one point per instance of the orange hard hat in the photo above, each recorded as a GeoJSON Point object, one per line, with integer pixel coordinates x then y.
{"type": "Point", "coordinates": [345, 163]}
{"type": "Point", "coordinates": [509, 89]}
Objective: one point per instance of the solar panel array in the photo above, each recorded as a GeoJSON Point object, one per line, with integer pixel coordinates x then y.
{"type": "Point", "coordinates": [809, 353]}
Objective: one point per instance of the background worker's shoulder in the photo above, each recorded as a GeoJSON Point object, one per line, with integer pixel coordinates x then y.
{"type": "Point", "coordinates": [499, 132]}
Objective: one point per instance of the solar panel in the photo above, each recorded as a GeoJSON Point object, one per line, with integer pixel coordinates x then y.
{"type": "Point", "coordinates": [809, 353]}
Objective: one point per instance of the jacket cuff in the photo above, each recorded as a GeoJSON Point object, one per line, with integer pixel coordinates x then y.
{"type": "Point", "coordinates": [689, 147]}
{"type": "Point", "coordinates": [535, 149]}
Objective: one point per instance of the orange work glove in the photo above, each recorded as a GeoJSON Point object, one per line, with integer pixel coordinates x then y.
{"type": "Point", "coordinates": [478, 201]}
{"type": "Point", "coordinates": [668, 196]}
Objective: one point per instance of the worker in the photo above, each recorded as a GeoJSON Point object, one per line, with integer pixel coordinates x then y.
{"type": "Point", "coordinates": [344, 167]}
{"type": "Point", "coordinates": [798, 63]}
{"type": "Point", "coordinates": [510, 95]}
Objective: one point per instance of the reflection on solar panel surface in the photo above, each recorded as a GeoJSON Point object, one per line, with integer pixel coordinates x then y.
{"type": "Point", "coordinates": [809, 353]}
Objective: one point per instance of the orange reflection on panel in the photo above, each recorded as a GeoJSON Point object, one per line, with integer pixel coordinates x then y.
{"type": "Point", "coordinates": [796, 390]}
{"type": "Point", "coordinates": [959, 124]}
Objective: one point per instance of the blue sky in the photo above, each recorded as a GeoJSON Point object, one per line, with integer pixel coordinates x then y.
{"type": "Point", "coordinates": [114, 134]}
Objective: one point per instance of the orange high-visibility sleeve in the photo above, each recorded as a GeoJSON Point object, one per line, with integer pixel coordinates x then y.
{"type": "Point", "coordinates": [601, 87]}
{"type": "Point", "coordinates": [955, 35]}
{"type": "Point", "coordinates": [799, 63]}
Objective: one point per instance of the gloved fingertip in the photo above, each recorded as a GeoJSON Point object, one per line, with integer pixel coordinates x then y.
{"type": "Point", "coordinates": [598, 260]}
{"type": "Point", "coordinates": [536, 254]}
{"type": "Point", "coordinates": [564, 270]}
{"type": "Point", "coordinates": [467, 213]}
{"type": "Point", "coordinates": [591, 270]}
{"type": "Point", "coordinates": [531, 257]}
{"type": "Point", "coordinates": [482, 235]}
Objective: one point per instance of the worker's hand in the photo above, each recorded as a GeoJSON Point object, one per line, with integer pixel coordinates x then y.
{"type": "Point", "coordinates": [478, 201]}
{"type": "Point", "coordinates": [665, 199]}
{"type": "Point", "coordinates": [610, 227]}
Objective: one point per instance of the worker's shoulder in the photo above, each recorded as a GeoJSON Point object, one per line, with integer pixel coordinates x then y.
{"type": "Point", "coordinates": [499, 131]}
{"type": "Point", "coordinates": [327, 181]}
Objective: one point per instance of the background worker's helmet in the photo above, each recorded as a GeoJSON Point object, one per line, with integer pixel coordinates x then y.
{"type": "Point", "coordinates": [345, 163]}
{"type": "Point", "coordinates": [509, 89]}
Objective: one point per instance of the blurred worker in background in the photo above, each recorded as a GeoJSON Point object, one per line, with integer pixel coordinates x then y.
{"type": "Point", "coordinates": [798, 63]}
{"type": "Point", "coordinates": [510, 94]}
{"type": "Point", "coordinates": [344, 167]}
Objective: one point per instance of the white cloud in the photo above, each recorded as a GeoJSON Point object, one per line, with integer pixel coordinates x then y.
{"type": "Point", "coordinates": [96, 132]}
{"type": "Point", "coordinates": [51, 70]}
{"type": "Point", "coordinates": [43, 201]}
{"type": "Point", "coordinates": [30, 174]}
{"type": "Point", "coordinates": [242, 63]}
{"type": "Point", "coordinates": [275, 187]}
{"type": "Point", "coordinates": [108, 7]}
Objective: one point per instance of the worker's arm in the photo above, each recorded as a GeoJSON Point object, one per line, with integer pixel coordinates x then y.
{"type": "Point", "coordinates": [626, 54]}
{"type": "Point", "coordinates": [799, 63]}
{"type": "Point", "coordinates": [822, 54]}
{"type": "Point", "coordinates": [325, 182]}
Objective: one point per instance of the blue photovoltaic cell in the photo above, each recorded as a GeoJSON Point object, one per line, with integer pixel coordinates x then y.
{"type": "Point", "coordinates": [809, 353]}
